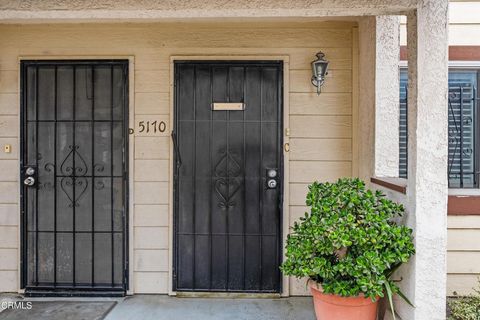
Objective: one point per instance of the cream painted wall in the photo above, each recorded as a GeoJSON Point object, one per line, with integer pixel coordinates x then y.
{"type": "Point", "coordinates": [321, 132]}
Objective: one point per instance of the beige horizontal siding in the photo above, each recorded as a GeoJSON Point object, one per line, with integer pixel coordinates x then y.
{"type": "Point", "coordinates": [298, 192]}
{"type": "Point", "coordinates": [9, 192]}
{"type": "Point", "coordinates": [150, 238]}
{"type": "Point", "coordinates": [152, 147]}
{"type": "Point", "coordinates": [151, 215]}
{"type": "Point", "coordinates": [320, 126]}
{"type": "Point", "coordinates": [325, 104]}
{"type": "Point", "coordinates": [174, 35]}
{"type": "Point", "coordinates": [8, 237]}
{"type": "Point", "coordinates": [464, 12]}
{"type": "Point", "coordinates": [463, 222]}
{"type": "Point", "coordinates": [309, 171]}
{"type": "Point", "coordinates": [9, 171]}
{"type": "Point", "coordinates": [463, 257]}
{"type": "Point", "coordinates": [9, 81]}
{"type": "Point", "coordinates": [321, 149]}
{"type": "Point", "coordinates": [461, 284]}
{"type": "Point", "coordinates": [151, 260]}
{"type": "Point", "coordinates": [8, 216]}
{"type": "Point", "coordinates": [152, 81]}
{"type": "Point", "coordinates": [8, 259]}
{"type": "Point", "coordinates": [14, 143]}
{"type": "Point", "coordinates": [152, 103]}
{"type": "Point", "coordinates": [9, 103]}
{"type": "Point", "coordinates": [151, 192]}
{"type": "Point", "coordinates": [296, 212]}
{"type": "Point", "coordinates": [150, 282]}
{"type": "Point", "coordinates": [463, 262]}
{"type": "Point", "coordinates": [464, 239]}
{"type": "Point", "coordinates": [8, 126]}
{"type": "Point", "coordinates": [151, 170]}
{"type": "Point", "coordinates": [9, 281]}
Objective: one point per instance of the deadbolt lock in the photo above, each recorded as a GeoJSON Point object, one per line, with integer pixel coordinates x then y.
{"type": "Point", "coordinates": [272, 173]}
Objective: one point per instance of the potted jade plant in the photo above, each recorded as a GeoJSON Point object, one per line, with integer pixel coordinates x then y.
{"type": "Point", "coordinates": [348, 246]}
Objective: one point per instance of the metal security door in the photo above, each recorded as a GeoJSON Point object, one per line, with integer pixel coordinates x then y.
{"type": "Point", "coordinates": [228, 176]}
{"type": "Point", "coordinates": [74, 177]}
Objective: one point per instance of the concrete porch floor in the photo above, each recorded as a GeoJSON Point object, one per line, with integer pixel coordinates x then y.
{"type": "Point", "coordinates": [161, 307]}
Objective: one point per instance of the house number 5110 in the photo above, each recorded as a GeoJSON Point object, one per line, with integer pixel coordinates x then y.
{"type": "Point", "coordinates": [152, 126]}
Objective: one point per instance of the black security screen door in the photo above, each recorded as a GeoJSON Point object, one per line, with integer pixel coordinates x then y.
{"type": "Point", "coordinates": [227, 217]}
{"type": "Point", "coordinates": [74, 176]}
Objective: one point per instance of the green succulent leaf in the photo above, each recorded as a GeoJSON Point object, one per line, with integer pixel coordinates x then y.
{"type": "Point", "coordinates": [388, 290]}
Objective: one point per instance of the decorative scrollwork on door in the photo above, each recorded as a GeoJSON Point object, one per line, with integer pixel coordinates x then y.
{"type": "Point", "coordinates": [75, 181]}
{"type": "Point", "coordinates": [80, 169]}
{"type": "Point", "coordinates": [81, 185]}
{"type": "Point", "coordinates": [227, 183]}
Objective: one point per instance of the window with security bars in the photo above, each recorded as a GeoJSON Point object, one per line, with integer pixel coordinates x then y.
{"type": "Point", "coordinates": [403, 124]}
{"type": "Point", "coordinates": [463, 152]}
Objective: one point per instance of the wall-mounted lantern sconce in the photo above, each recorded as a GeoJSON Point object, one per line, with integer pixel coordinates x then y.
{"type": "Point", "coordinates": [319, 71]}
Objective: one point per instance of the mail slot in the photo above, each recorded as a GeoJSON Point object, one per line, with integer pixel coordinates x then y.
{"type": "Point", "coordinates": [228, 106]}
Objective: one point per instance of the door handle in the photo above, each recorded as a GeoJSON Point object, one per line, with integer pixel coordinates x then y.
{"type": "Point", "coordinates": [177, 150]}
{"type": "Point", "coordinates": [29, 181]}
{"type": "Point", "coordinates": [272, 183]}
{"type": "Point", "coordinates": [30, 176]}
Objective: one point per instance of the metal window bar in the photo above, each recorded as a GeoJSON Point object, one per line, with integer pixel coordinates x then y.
{"type": "Point", "coordinates": [36, 164]}
{"type": "Point", "coordinates": [93, 173]}
{"type": "Point", "coordinates": [74, 99]}
{"type": "Point", "coordinates": [55, 185]}
{"type": "Point", "coordinates": [463, 149]}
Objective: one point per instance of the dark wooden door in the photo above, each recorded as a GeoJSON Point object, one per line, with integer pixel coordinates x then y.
{"type": "Point", "coordinates": [74, 176]}
{"type": "Point", "coordinates": [227, 232]}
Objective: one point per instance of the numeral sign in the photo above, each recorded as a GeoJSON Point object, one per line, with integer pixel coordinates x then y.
{"type": "Point", "coordinates": [151, 126]}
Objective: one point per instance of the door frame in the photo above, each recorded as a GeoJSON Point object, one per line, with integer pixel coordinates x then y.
{"type": "Point", "coordinates": [129, 228]}
{"type": "Point", "coordinates": [285, 214]}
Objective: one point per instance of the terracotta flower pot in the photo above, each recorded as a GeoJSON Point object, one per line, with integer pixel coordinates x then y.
{"type": "Point", "coordinates": [333, 307]}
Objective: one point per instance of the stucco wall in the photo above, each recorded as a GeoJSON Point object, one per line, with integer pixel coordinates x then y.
{"type": "Point", "coordinates": [320, 127]}
{"type": "Point", "coordinates": [151, 9]}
